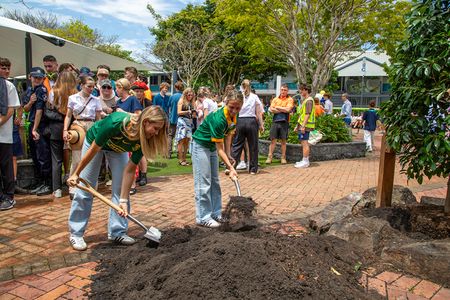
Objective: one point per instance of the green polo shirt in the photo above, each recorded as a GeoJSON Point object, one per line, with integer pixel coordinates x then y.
{"type": "Point", "coordinates": [214, 128]}
{"type": "Point", "coordinates": [110, 135]}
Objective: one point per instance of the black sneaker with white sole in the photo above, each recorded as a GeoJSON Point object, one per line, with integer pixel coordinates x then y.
{"type": "Point", "coordinates": [7, 203]}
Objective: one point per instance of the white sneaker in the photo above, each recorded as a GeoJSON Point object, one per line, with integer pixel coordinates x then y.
{"type": "Point", "coordinates": [109, 183]}
{"type": "Point", "coordinates": [77, 243]}
{"type": "Point", "coordinates": [241, 165]}
{"type": "Point", "coordinates": [301, 164]}
{"type": "Point", "coordinates": [57, 193]}
{"type": "Point", "coordinates": [124, 239]}
{"type": "Point", "coordinates": [211, 223]}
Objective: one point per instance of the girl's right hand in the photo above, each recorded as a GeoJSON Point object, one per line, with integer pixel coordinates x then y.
{"type": "Point", "coordinates": [73, 180]}
{"type": "Point", "coordinates": [233, 174]}
{"type": "Point", "coordinates": [65, 135]}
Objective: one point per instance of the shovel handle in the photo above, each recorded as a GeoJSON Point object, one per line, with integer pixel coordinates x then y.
{"type": "Point", "coordinates": [237, 185]}
{"type": "Point", "coordinates": [88, 188]}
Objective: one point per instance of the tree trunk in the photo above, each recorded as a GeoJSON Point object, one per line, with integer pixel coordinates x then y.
{"type": "Point", "coordinates": [447, 199]}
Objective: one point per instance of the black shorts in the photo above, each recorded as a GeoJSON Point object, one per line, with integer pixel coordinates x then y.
{"type": "Point", "coordinates": [279, 130]}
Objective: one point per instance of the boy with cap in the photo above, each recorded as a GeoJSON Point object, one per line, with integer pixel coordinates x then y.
{"type": "Point", "coordinates": [34, 103]}
{"type": "Point", "coordinates": [9, 100]}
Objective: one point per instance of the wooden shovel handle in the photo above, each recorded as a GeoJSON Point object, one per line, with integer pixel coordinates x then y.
{"type": "Point", "coordinates": [88, 188]}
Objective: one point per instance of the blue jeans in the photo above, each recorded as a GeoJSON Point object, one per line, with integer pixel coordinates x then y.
{"type": "Point", "coordinates": [208, 196]}
{"type": "Point", "coordinates": [82, 201]}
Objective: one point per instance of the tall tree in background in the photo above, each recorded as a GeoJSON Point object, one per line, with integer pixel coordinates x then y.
{"type": "Point", "coordinates": [312, 35]}
{"type": "Point", "coordinates": [417, 115]}
{"type": "Point", "coordinates": [74, 30]}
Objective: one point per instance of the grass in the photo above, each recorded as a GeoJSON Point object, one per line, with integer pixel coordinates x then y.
{"type": "Point", "coordinates": [169, 167]}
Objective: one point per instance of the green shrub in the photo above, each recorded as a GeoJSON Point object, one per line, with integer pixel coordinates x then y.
{"type": "Point", "coordinates": [333, 129]}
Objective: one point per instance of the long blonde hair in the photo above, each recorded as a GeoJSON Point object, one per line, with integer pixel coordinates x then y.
{"type": "Point", "coordinates": [184, 97]}
{"type": "Point", "coordinates": [135, 130]}
{"type": "Point", "coordinates": [65, 85]}
{"type": "Point", "coordinates": [247, 87]}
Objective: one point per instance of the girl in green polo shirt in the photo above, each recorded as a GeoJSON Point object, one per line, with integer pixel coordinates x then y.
{"type": "Point", "coordinates": [141, 134]}
{"type": "Point", "coordinates": [210, 140]}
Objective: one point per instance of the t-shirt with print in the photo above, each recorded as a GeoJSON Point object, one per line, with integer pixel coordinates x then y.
{"type": "Point", "coordinates": [214, 128]}
{"type": "Point", "coordinates": [110, 135]}
{"type": "Point", "coordinates": [76, 103]}
{"type": "Point", "coordinates": [41, 97]}
{"type": "Point", "coordinates": [6, 130]}
{"type": "Point", "coordinates": [131, 104]}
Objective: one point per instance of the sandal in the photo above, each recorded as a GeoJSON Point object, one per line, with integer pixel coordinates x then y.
{"type": "Point", "coordinates": [183, 163]}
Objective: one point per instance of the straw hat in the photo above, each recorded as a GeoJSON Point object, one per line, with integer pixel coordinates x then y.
{"type": "Point", "coordinates": [76, 136]}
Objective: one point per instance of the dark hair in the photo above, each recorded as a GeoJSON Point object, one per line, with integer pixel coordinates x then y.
{"type": "Point", "coordinates": [85, 79]}
{"type": "Point", "coordinates": [49, 58]}
{"type": "Point", "coordinates": [64, 66]}
{"type": "Point", "coordinates": [104, 67]}
{"type": "Point", "coordinates": [328, 95]}
{"type": "Point", "coordinates": [372, 103]}
{"type": "Point", "coordinates": [5, 62]}
{"type": "Point", "coordinates": [179, 86]}
{"type": "Point", "coordinates": [132, 70]}
{"type": "Point", "coordinates": [284, 85]}
{"type": "Point", "coordinates": [143, 78]}
{"type": "Point", "coordinates": [305, 87]}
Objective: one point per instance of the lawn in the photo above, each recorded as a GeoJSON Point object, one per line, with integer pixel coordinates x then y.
{"type": "Point", "coordinates": [168, 167]}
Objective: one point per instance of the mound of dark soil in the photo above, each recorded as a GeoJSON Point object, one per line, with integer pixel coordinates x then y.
{"type": "Point", "coordinates": [198, 263]}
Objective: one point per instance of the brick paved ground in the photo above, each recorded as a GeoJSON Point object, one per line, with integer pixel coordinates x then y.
{"type": "Point", "coordinates": [34, 238]}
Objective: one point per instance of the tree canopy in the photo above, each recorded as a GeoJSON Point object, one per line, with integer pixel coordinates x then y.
{"type": "Point", "coordinates": [417, 115]}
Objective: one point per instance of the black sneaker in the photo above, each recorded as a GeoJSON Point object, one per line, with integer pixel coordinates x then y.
{"type": "Point", "coordinates": [36, 188]}
{"type": "Point", "coordinates": [45, 190]}
{"type": "Point", "coordinates": [7, 203]}
{"type": "Point", "coordinates": [19, 190]}
{"type": "Point", "coordinates": [143, 179]}
{"type": "Point", "coordinates": [133, 191]}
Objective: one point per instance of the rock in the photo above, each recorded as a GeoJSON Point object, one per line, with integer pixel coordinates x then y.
{"type": "Point", "coordinates": [430, 259]}
{"type": "Point", "coordinates": [432, 201]}
{"type": "Point", "coordinates": [334, 212]}
{"type": "Point", "coordinates": [430, 220]}
{"type": "Point", "coordinates": [400, 196]}
{"type": "Point", "coordinates": [371, 234]}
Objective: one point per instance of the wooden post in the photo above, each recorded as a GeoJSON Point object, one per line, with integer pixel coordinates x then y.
{"type": "Point", "coordinates": [447, 198]}
{"type": "Point", "coordinates": [385, 175]}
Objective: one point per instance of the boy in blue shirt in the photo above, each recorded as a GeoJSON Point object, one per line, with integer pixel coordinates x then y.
{"type": "Point", "coordinates": [162, 99]}
{"type": "Point", "coordinates": [34, 103]}
{"type": "Point", "coordinates": [370, 119]}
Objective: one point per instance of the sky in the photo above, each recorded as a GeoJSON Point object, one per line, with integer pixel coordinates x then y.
{"type": "Point", "coordinates": [129, 20]}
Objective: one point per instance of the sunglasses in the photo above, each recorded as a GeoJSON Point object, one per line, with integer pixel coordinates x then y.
{"type": "Point", "coordinates": [90, 86]}
{"type": "Point", "coordinates": [106, 87]}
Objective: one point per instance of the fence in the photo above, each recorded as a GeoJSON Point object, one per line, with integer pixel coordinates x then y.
{"type": "Point", "coordinates": [360, 100]}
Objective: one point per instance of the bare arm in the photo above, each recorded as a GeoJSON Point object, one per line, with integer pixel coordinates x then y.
{"type": "Point", "coordinates": [37, 121]}
{"type": "Point", "coordinates": [127, 179]}
{"type": "Point", "coordinates": [9, 113]}
{"type": "Point", "coordinates": [224, 156]}
{"type": "Point", "coordinates": [259, 115]}
{"type": "Point", "coordinates": [67, 123]}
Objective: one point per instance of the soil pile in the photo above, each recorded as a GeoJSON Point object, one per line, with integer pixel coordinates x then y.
{"type": "Point", "coordinates": [193, 263]}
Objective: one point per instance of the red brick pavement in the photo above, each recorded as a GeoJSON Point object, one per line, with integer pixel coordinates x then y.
{"type": "Point", "coordinates": [34, 238]}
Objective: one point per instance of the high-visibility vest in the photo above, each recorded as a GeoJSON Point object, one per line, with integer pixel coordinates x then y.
{"type": "Point", "coordinates": [312, 117]}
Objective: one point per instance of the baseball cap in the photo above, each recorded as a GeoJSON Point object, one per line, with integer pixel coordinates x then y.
{"type": "Point", "coordinates": [86, 71]}
{"type": "Point", "coordinates": [139, 85]}
{"type": "Point", "coordinates": [102, 71]}
{"type": "Point", "coordinates": [105, 82]}
{"type": "Point", "coordinates": [37, 72]}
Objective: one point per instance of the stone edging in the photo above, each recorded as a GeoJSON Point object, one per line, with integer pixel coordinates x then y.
{"type": "Point", "coordinates": [319, 152]}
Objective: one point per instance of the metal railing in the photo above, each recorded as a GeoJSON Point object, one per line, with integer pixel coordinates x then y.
{"type": "Point", "coordinates": [360, 100]}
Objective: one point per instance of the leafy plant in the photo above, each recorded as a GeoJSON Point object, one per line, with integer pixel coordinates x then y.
{"type": "Point", "coordinates": [416, 116]}
{"type": "Point", "coordinates": [332, 128]}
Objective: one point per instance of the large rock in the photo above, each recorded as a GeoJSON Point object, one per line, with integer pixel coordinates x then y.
{"type": "Point", "coordinates": [400, 196]}
{"type": "Point", "coordinates": [432, 201]}
{"type": "Point", "coordinates": [430, 259]}
{"type": "Point", "coordinates": [371, 234]}
{"type": "Point", "coordinates": [334, 212]}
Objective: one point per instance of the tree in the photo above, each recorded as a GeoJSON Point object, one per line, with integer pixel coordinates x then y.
{"type": "Point", "coordinates": [417, 115]}
{"type": "Point", "coordinates": [73, 30]}
{"type": "Point", "coordinates": [312, 35]}
{"type": "Point", "coordinates": [189, 51]}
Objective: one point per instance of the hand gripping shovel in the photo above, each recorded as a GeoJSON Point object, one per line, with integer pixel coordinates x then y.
{"type": "Point", "coordinates": [152, 234]}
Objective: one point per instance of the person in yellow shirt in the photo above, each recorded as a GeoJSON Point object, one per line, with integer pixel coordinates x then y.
{"type": "Point", "coordinates": [281, 108]}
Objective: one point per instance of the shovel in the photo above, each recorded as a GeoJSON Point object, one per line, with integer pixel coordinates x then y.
{"type": "Point", "coordinates": [237, 185]}
{"type": "Point", "coordinates": [152, 234]}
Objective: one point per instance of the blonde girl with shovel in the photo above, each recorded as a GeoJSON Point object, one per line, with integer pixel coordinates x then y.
{"type": "Point", "coordinates": [141, 134]}
{"type": "Point", "coordinates": [209, 142]}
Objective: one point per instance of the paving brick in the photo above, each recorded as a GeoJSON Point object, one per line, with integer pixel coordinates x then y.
{"type": "Point", "coordinates": [426, 288]}
{"type": "Point", "coordinates": [26, 292]}
{"type": "Point", "coordinates": [8, 296]}
{"type": "Point", "coordinates": [388, 277]}
{"type": "Point", "coordinates": [8, 286]}
{"type": "Point", "coordinates": [54, 283]}
{"type": "Point", "coordinates": [377, 285]}
{"type": "Point", "coordinates": [6, 274]}
{"type": "Point", "coordinates": [412, 296]}
{"type": "Point", "coordinates": [79, 283]}
{"type": "Point", "coordinates": [406, 282]}
{"type": "Point", "coordinates": [83, 273]}
{"type": "Point", "coordinates": [75, 294]}
{"type": "Point", "coordinates": [54, 274]}
{"type": "Point", "coordinates": [55, 293]}
{"type": "Point", "coordinates": [442, 294]}
{"type": "Point", "coordinates": [22, 270]}
{"type": "Point", "coordinates": [395, 293]}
